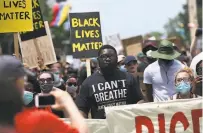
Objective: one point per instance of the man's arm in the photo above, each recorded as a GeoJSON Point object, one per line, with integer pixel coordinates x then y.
{"type": "Point", "coordinates": [134, 95]}
{"type": "Point", "coordinates": [194, 42]}
{"type": "Point", "coordinates": [149, 92]}
{"type": "Point", "coordinates": [82, 100]}
{"type": "Point", "coordinates": [148, 83]}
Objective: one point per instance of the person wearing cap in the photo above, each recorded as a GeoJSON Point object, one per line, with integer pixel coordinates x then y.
{"type": "Point", "coordinates": [131, 65]}
{"type": "Point", "coordinates": [159, 76]}
{"type": "Point", "coordinates": [120, 63]}
{"type": "Point", "coordinates": [13, 72]}
{"type": "Point", "coordinates": [142, 62]}
{"type": "Point", "coordinates": [148, 47]}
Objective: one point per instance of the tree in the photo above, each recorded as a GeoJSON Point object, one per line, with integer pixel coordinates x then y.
{"type": "Point", "coordinates": [178, 26]}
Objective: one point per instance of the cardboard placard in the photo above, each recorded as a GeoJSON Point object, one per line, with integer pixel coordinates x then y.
{"type": "Point", "coordinates": [133, 45]}
{"type": "Point", "coordinates": [115, 41]}
{"type": "Point", "coordinates": [38, 23]}
{"type": "Point", "coordinates": [46, 49]}
{"type": "Point", "coordinates": [15, 16]}
{"type": "Point", "coordinates": [86, 37]}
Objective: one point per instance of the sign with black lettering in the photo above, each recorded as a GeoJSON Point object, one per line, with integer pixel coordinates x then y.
{"type": "Point", "coordinates": [86, 37]}
{"type": "Point", "coordinates": [15, 16]}
{"type": "Point", "coordinates": [38, 23]}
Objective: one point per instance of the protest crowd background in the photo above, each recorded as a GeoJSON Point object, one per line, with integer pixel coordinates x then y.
{"type": "Point", "coordinates": [145, 83]}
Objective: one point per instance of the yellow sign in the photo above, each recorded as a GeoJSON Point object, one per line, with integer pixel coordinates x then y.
{"type": "Point", "coordinates": [15, 15]}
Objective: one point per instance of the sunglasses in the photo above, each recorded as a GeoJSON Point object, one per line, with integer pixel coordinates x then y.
{"type": "Point", "coordinates": [178, 80]}
{"type": "Point", "coordinates": [47, 80]}
{"type": "Point", "coordinates": [71, 84]}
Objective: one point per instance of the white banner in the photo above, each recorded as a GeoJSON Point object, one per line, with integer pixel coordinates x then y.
{"type": "Point", "coordinates": [95, 125]}
{"type": "Point", "coordinates": [178, 116]}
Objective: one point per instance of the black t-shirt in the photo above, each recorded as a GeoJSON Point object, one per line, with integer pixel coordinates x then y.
{"type": "Point", "coordinates": [98, 92]}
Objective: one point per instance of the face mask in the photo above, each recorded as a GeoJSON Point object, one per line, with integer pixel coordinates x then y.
{"type": "Point", "coordinates": [27, 97]}
{"type": "Point", "coordinates": [71, 89]}
{"type": "Point", "coordinates": [46, 88]}
{"type": "Point", "coordinates": [183, 87]}
{"type": "Point", "coordinates": [165, 62]}
{"type": "Point", "coordinates": [151, 60]}
{"type": "Point", "coordinates": [122, 68]}
{"type": "Point", "coordinates": [56, 77]}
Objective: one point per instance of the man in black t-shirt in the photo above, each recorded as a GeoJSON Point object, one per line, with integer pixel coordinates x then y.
{"type": "Point", "coordinates": [107, 87]}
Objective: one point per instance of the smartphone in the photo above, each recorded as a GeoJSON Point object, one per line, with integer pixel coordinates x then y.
{"type": "Point", "coordinates": [44, 100]}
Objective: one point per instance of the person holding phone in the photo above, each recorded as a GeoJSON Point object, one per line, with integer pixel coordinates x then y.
{"type": "Point", "coordinates": [40, 121]}
{"type": "Point", "coordinates": [32, 120]}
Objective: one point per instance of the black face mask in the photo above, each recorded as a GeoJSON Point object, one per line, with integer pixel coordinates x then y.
{"type": "Point", "coordinates": [165, 62]}
{"type": "Point", "coordinates": [46, 88]}
{"type": "Point", "coordinates": [151, 60]}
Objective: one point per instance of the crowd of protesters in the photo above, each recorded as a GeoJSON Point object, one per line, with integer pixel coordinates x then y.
{"type": "Point", "coordinates": [114, 81]}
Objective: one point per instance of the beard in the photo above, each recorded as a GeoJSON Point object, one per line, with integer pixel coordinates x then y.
{"type": "Point", "coordinates": [108, 69]}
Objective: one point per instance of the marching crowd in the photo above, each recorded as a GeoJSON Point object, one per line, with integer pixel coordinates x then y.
{"type": "Point", "coordinates": [160, 72]}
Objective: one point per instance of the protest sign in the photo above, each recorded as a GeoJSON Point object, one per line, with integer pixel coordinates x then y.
{"type": "Point", "coordinates": [86, 37]}
{"type": "Point", "coordinates": [15, 16]}
{"type": "Point", "coordinates": [38, 23]}
{"type": "Point", "coordinates": [133, 45]}
{"type": "Point", "coordinates": [176, 116]}
{"type": "Point", "coordinates": [115, 41]}
{"type": "Point", "coordinates": [94, 125]}
{"type": "Point", "coordinates": [30, 51]}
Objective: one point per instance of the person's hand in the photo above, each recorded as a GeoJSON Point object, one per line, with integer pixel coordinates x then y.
{"type": "Point", "coordinates": [62, 98]}
{"type": "Point", "coordinates": [198, 32]}
{"type": "Point", "coordinates": [40, 61]}
{"type": "Point", "coordinates": [198, 79]}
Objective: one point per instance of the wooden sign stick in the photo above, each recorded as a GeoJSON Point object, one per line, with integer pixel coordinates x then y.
{"type": "Point", "coordinates": [16, 45]}
{"type": "Point", "coordinates": [88, 68]}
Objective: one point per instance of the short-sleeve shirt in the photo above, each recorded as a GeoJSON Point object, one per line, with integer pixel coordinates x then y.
{"type": "Point", "coordinates": [162, 79]}
{"type": "Point", "coordinates": [98, 92]}
{"type": "Point", "coordinates": [41, 121]}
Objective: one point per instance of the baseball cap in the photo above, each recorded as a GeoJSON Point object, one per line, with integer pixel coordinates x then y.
{"type": "Point", "coordinates": [11, 68]}
{"type": "Point", "coordinates": [129, 59]}
{"type": "Point", "coordinates": [140, 55]}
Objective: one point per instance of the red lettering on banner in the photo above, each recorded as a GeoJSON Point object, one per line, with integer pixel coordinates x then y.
{"type": "Point", "coordinates": [196, 114]}
{"type": "Point", "coordinates": [161, 119]}
{"type": "Point", "coordinates": [143, 120]}
{"type": "Point", "coordinates": [178, 116]}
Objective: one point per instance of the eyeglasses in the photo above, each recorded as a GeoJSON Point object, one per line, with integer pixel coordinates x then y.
{"type": "Point", "coordinates": [131, 63]}
{"type": "Point", "coordinates": [47, 80]}
{"type": "Point", "coordinates": [178, 80]}
{"type": "Point", "coordinates": [105, 56]}
{"type": "Point", "coordinates": [71, 84]}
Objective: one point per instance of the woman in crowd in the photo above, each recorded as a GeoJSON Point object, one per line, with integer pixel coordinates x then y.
{"type": "Point", "coordinates": [71, 87]}
{"type": "Point", "coordinates": [184, 82]}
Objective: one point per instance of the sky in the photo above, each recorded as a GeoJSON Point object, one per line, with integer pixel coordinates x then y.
{"type": "Point", "coordinates": [130, 17]}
